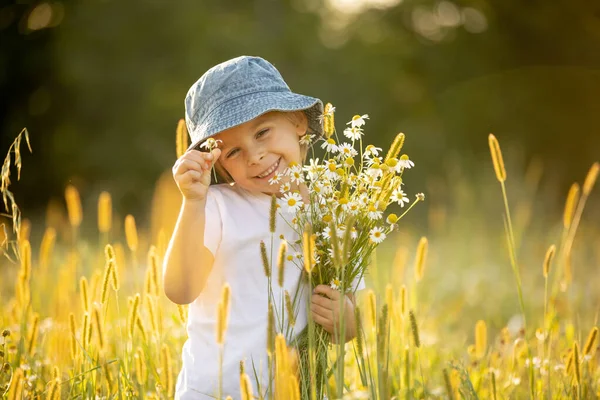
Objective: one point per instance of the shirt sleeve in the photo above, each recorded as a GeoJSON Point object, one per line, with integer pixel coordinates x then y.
{"type": "Point", "coordinates": [358, 284]}
{"type": "Point", "coordinates": [213, 224]}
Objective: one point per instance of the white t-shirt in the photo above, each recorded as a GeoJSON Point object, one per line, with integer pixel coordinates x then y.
{"type": "Point", "coordinates": [236, 222]}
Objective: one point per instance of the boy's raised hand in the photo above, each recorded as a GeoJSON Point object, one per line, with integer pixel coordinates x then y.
{"type": "Point", "coordinates": [191, 172]}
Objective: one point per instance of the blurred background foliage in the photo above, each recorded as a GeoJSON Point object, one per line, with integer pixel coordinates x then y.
{"type": "Point", "coordinates": [100, 86]}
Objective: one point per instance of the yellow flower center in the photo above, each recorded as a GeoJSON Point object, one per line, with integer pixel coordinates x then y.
{"type": "Point", "coordinates": [330, 141]}
{"type": "Point", "coordinates": [356, 117]}
{"type": "Point", "coordinates": [349, 161]}
{"type": "Point", "coordinates": [292, 202]}
{"type": "Point", "coordinates": [377, 234]}
{"type": "Point", "coordinates": [404, 157]}
{"type": "Point", "coordinates": [327, 218]}
{"type": "Point", "coordinates": [392, 162]}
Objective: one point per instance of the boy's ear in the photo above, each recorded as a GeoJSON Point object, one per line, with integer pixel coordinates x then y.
{"type": "Point", "coordinates": [301, 123]}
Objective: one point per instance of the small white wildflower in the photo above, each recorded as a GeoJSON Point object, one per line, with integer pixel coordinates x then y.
{"type": "Point", "coordinates": [293, 201]}
{"type": "Point", "coordinates": [335, 284]}
{"type": "Point", "coordinates": [275, 179]}
{"type": "Point", "coordinates": [296, 174]}
{"type": "Point", "coordinates": [371, 150]}
{"type": "Point", "coordinates": [398, 196]}
{"type": "Point", "coordinates": [358, 120]}
{"type": "Point", "coordinates": [404, 162]}
{"type": "Point", "coordinates": [353, 133]}
{"type": "Point", "coordinates": [376, 235]}
{"type": "Point", "coordinates": [330, 146]}
{"type": "Point", "coordinates": [314, 169]}
{"type": "Point", "coordinates": [374, 213]}
{"type": "Point", "coordinates": [211, 143]}
{"type": "Point", "coordinates": [326, 233]}
{"type": "Point", "coordinates": [286, 187]}
{"type": "Point", "coordinates": [306, 139]}
{"type": "Point", "coordinates": [347, 150]}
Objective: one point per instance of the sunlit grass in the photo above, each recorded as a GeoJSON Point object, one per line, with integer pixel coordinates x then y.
{"type": "Point", "coordinates": [444, 315]}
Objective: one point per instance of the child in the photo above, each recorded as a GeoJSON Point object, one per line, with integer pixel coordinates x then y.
{"type": "Point", "coordinates": [246, 106]}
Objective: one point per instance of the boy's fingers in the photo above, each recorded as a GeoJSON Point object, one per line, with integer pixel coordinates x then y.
{"type": "Point", "coordinates": [322, 311]}
{"type": "Point", "coordinates": [327, 291]}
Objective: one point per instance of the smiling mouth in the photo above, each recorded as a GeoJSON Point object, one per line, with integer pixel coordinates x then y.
{"type": "Point", "coordinates": [269, 171]}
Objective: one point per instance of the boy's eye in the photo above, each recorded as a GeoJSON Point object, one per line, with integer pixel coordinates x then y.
{"type": "Point", "coordinates": [232, 152]}
{"type": "Point", "coordinates": [261, 133]}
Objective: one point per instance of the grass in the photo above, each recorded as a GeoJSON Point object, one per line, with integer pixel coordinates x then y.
{"type": "Point", "coordinates": [482, 312]}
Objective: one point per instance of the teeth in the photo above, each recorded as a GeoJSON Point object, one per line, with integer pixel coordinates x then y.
{"type": "Point", "coordinates": [269, 171]}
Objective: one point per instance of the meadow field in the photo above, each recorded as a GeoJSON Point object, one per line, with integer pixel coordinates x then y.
{"type": "Point", "coordinates": [487, 292]}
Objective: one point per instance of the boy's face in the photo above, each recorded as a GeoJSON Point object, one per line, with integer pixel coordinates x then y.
{"type": "Point", "coordinates": [252, 152]}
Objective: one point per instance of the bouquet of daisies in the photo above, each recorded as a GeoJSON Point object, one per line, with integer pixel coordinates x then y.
{"type": "Point", "coordinates": [341, 219]}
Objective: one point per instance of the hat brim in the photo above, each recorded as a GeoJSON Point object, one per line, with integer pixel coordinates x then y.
{"type": "Point", "coordinates": [245, 108]}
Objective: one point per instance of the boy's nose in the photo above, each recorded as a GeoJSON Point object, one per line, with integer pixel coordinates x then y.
{"type": "Point", "coordinates": [256, 157]}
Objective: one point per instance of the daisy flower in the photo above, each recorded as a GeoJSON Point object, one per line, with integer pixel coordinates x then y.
{"type": "Point", "coordinates": [330, 146]}
{"type": "Point", "coordinates": [374, 212]}
{"type": "Point", "coordinates": [371, 150]}
{"type": "Point", "coordinates": [376, 235]}
{"type": "Point", "coordinates": [306, 139]}
{"type": "Point", "coordinates": [353, 133]}
{"type": "Point", "coordinates": [328, 111]}
{"type": "Point", "coordinates": [335, 284]}
{"type": "Point", "coordinates": [398, 196]}
{"type": "Point", "coordinates": [293, 201]}
{"type": "Point", "coordinates": [404, 162]}
{"type": "Point", "coordinates": [358, 120]}
{"type": "Point", "coordinates": [347, 150]}
{"type": "Point", "coordinates": [275, 179]}
{"type": "Point", "coordinates": [326, 233]}
{"type": "Point", "coordinates": [295, 174]}
{"type": "Point", "coordinates": [211, 143]}
{"type": "Point", "coordinates": [286, 187]}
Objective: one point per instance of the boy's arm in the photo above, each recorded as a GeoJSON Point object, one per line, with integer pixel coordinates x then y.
{"type": "Point", "coordinates": [187, 262]}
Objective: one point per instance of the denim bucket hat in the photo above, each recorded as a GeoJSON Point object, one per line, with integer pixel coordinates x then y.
{"type": "Point", "coordinates": [239, 90]}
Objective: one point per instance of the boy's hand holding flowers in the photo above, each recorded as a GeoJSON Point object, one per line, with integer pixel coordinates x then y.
{"type": "Point", "coordinates": [325, 308]}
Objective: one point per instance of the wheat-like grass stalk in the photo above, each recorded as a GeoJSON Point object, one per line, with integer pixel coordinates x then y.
{"type": "Point", "coordinates": [421, 258]}
{"type": "Point", "coordinates": [571, 205]}
{"type": "Point", "coordinates": [590, 342]}
{"type": "Point", "coordinates": [46, 248]}
{"type": "Point", "coordinates": [270, 330]}
{"type": "Point", "coordinates": [104, 212]}
{"type": "Point", "coordinates": [480, 338]}
{"type": "Point", "coordinates": [246, 387]}
{"type": "Point", "coordinates": [53, 390]}
{"type": "Point", "coordinates": [73, 333]}
{"type": "Point", "coordinates": [131, 234]}
{"type": "Point", "coordinates": [85, 300]}
{"type": "Point", "coordinates": [85, 327]}
{"type": "Point", "coordinates": [140, 325]}
{"type": "Point", "coordinates": [289, 309]}
{"type": "Point", "coordinates": [181, 138]}
{"type": "Point", "coordinates": [497, 159]}
{"type": "Point", "coordinates": [133, 312]}
{"type": "Point", "coordinates": [308, 246]}
{"type": "Point", "coordinates": [577, 372]}
{"type": "Point", "coordinates": [109, 381]}
{"type": "Point", "coordinates": [15, 391]}
{"type": "Point", "coordinates": [273, 214]}
{"type": "Point", "coordinates": [414, 328]}
{"type": "Point", "coordinates": [590, 178]}
{"type": "Point", "coordinates": [33, 334]}
{"type": "Point", "coordinates": [140, 366]}
{"type": "Point", "coordinates": [281, 262]}
{"type": "Point", "coordinates": [73, 206]}
{"type": "Point", "coordinates": [265, 259]}
{"type": "Point", "coordinates": [107, 276]}
{"type": "Point", "coordinates": [548, 260]}
{"type": "Point", "coordinates": [403, 301]}
{"type": "Point", "coordinates": [328, 121]}
{"type": "Point", "coordinates": [25, 260]}
{"type": "Point", "coordinates": [396, 147]}
{"type": "Point", "coordinates": [372, 307]}
{"type": "Point", "coordinates": [99, 327]}
{"type": "Point", "coordinates": [167, 367]}
{"type": "Point", "coordinates": [182, 313]}
{"type": "Point", "coordinates": [153, 269]}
